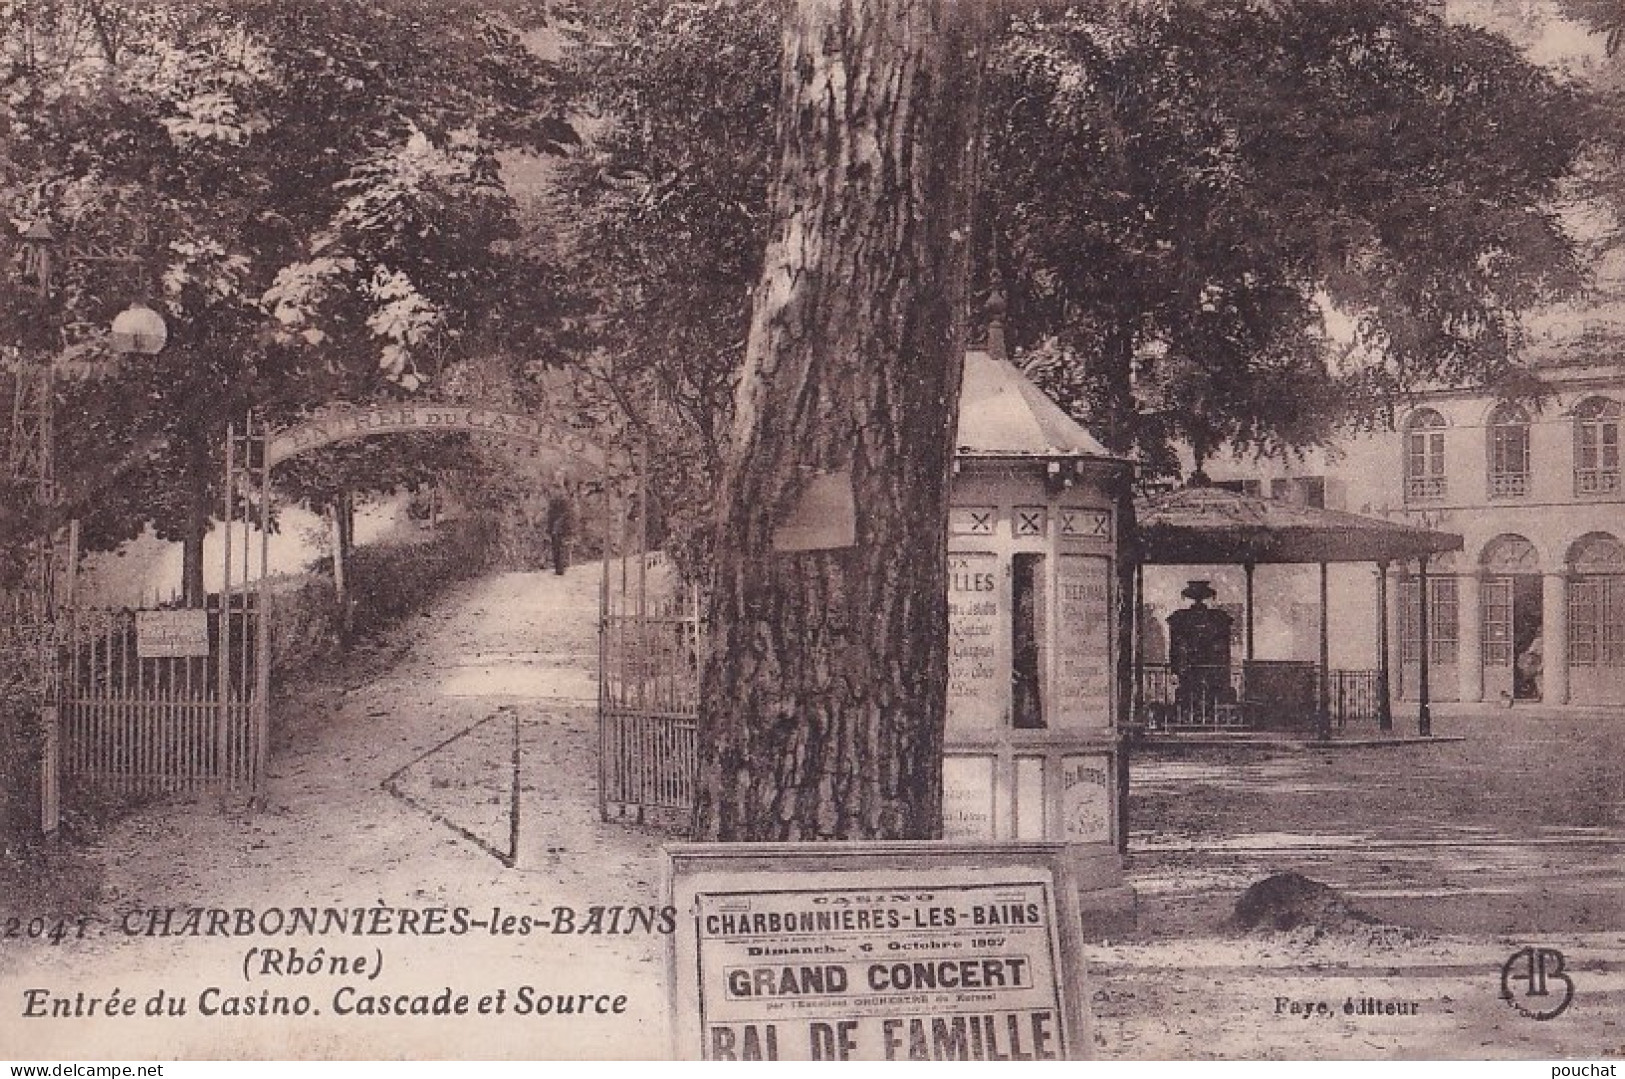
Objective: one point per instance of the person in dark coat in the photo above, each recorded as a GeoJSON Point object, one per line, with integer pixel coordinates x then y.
{"type": "Point", "coordinates": [1199, 653]}
{"type": "Point", "coordinates": [558, 520]}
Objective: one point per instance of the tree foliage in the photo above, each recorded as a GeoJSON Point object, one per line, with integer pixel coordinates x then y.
{"type": "Point", "coordinates": [1190, 191]}
{"type": "Point", "coordinates": [321, 192]}
{"type": "Point", "coordinates": [1218, 223]}
{"type": "Point", "coordinates": [1606, 17]}
{"type": "Point", "coordinates": [663, 219]}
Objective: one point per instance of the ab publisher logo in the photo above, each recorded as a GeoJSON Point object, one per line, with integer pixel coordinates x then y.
{"type": "Point", "coordinates": [1547, 988]}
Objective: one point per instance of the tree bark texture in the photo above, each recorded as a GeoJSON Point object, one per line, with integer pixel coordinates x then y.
{"type": "Point", "coordinates": [824, 692]}
{"type": "Point", "coordinates": [197, 531]}
{"type": "Point", "coordinates": [199, 464]}
{"type": "Point", "coordinates": [343, 546]}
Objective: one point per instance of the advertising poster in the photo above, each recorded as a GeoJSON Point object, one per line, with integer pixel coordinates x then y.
{"type": "Point", "coordinates": [932, 976]}
{"type": "Point", "coordinates": [915, 952]}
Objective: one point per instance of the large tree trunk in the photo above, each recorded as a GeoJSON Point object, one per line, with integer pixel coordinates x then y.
{"type": "Point", "coordinates": [824, 691]}
{"type": "Point", "coordinates": [343, 545]}
{"type": "Point", "coordinates": [197, 530]}
{"type": "Point", "coordinates": [199, 463]}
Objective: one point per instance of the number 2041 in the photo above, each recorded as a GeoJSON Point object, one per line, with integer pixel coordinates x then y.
{"type": "Point", "coordinates": [55, 930]}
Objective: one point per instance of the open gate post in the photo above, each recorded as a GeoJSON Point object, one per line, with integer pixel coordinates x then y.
{"type": "Point", "coordinates": [650, 638]}
{"type": "Point", "coordinates": [28, 639]}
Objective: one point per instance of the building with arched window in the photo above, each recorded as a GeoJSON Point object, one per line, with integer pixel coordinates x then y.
{"type": "Point", "coordinates": [1533, 608]}
{"type": "Point", "coordinates": [1425, 479]}
{"type": "Point", "coordinates": [1596, 616]}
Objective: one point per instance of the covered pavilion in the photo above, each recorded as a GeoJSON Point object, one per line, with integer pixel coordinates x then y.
{"type": "Point", "coordinates": [1205, 525]}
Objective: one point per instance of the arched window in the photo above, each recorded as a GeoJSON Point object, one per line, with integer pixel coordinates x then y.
{"type": "Point", "coordinates": [1424, 457]}
{"type": "Point", "coordinates": [1596, 446]}
{"type": "Point", "coordinates": [1597, 601]}
{"type": "Point", "coordinates": [1509, 451]}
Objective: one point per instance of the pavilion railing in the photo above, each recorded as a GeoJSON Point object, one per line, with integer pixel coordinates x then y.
{"type": "Point", "coordinates": [1354, 696]}
{"type": "Point", "coordinates": [1211, 699]}
{"type": "Point", "coordinates": [1220, 699]}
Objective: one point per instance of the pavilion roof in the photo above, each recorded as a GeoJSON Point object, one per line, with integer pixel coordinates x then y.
{"type": "Point", "coordinates": [1217, 526]}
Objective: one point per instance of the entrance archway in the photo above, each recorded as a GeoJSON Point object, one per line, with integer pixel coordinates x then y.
{"type": "Point", "coordinates": [178, 699]}
{"type": "Point", "coordinates": [341, 423]}
{"type": "Point", "coordinates": [566, 452]}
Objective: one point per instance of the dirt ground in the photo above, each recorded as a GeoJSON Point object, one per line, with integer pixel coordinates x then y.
{"type": "Point", "coordinates": [391, 788]}
{"type": "Point", "coordinates": [1465, 852]}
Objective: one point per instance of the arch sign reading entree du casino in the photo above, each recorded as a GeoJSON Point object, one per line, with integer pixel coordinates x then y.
{"type": "Point", "coordinates": [342, 423]}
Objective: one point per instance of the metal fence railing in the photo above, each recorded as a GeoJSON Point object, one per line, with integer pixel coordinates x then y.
{"type": "Point", "coordinates": [1354, 696]}
{"type": "Point", "coordinates": [1244, 696]}
{"type": "Point", "coordinates": [153, 724]}
{"type": "Point", "coordinates": [650, 638]}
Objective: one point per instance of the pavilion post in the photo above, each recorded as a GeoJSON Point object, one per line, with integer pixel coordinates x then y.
{"type": "Point", "coordinates": [1424, 717]}
{"type": "Point", "coordinates": [1385, 708]}
{"type": "Point", "coordinates": [1248, 568]}
{"type": "Point", "coordinates": [1323, 710]}
{"type": "Point", "coordinates": [1139, 642]}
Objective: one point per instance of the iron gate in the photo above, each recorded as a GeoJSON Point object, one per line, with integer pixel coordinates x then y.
{"type": "Point", "coordinates": [175, 697]}
{"type": "Point", "coordinates": [650, 639]}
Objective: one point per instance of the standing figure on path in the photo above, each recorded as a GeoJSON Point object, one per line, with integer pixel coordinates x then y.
{"type": "Point", "coordinates": [558, 519]}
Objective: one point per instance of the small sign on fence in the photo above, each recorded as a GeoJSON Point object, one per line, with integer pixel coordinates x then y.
{"type": "Point", "coordinates": [171, 634]}
{"type": "Point", "coordinates": [876, 951]}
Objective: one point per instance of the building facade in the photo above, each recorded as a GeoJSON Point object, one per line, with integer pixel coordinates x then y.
{"type": "Point", "coordinates": [1533, 608]}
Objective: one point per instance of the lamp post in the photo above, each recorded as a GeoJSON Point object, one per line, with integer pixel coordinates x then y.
{"type": "Point", "coordinates": [32, 463]}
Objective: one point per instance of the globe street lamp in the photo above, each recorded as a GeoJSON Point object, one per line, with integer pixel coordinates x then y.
{"type": "Point", "coordinates": [138, 328]}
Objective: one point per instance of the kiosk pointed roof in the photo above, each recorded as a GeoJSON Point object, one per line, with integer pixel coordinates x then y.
{"type": "Point", "coordinates": [1002, 414]}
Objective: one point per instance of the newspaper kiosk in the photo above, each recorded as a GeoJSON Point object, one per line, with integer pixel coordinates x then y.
{"type": "Point", "coordinates": [1031, 746]}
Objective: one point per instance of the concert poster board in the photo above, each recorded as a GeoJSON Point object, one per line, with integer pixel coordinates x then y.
{"type": "Point", "coordinates": [875, 951]}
